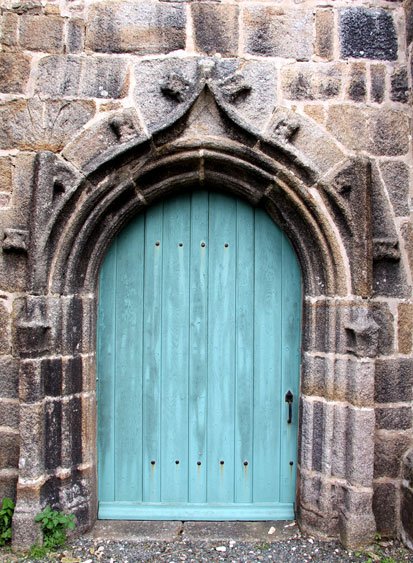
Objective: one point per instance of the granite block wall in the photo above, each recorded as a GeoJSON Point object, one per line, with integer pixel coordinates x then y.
{"type": "Point", "coordinates": [309, 105]}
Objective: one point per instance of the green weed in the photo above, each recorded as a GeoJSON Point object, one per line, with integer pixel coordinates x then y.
{"type": "Point", "coordinates": [6, 515]}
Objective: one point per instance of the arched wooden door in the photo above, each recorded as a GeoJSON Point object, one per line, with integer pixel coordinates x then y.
{"type": "Point", "coordinates": [198, 348]}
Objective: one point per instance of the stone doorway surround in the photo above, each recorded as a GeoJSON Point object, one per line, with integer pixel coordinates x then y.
{"type": "Point", "coordinates": [188, 131]}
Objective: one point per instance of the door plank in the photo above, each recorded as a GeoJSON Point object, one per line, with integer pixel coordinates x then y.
{"type": "Point", "coordinates": [267, 359]}
{"type": "Point", "coordinates": [221, 348]}
{"type": "Point", "coordinates": [128, 389]}
{"type": "Point", "coordinates": [152, 352]}
{"type": "Point", "coordinates": [175, 356]}
{"type": "Point", "coordinates": [198, 361]}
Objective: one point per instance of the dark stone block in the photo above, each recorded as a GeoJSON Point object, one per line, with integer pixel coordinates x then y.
{"type": "Point", "coordinates": [389, 279]}
{"type": "Point", "coordinates": [75, 407]}
{"type": "Point", "coordinates": [51, 374]}
{"type": "Point", "coordinates": [9, 377]}
{"type": "Point", "coordinates": [384, 508]}
{"type": "Point", "coordinates": [9, 448]}
{"type": "Point", "coordinates": [215, 28]}
{"type": "Point", "coordinates": [357, 87]}
{"type": "Point", "coordinates": [388, 453]}
{"type": "Point", "coordinates": [73, 375]}
{"type": "Point", "coordinates": [367, 34]}
{"type": "Point", "coordinates": [144, 27]}
{"type": "Point", "coordinates": [407, 512]}
{"type": "Point", "coordinates": [396, 178]}
{"type": "Point", "coordinates": [73, 326]}
{"type": "Point", "coordinates": [49, 493]}
{"type": "Point", "coordinates": [53, 434]}
{"type": "Point", "coordinates": [409, 28]}
{"type": "Point", "coordinates": [318, 431]}
{"type": "Point", "coordinates": [378, 82]}
{"type": "Point", "coordinates": [76, 36]}
{"type": "Point", "coordinates": [394, 380]}
{"type": "Point", "coordinates": [399, 418]}
{"type": "Point", "coordinates": [399, 85]}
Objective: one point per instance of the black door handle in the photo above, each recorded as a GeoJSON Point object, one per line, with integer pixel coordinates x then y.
{"type": "Point", "coordinates": [289, 399]}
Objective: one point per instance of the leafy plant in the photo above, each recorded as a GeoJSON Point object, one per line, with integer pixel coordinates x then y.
{"type": "Point", "coordinates": [54, 525]}
{"type": "Point", "coordinates": [6, 515]}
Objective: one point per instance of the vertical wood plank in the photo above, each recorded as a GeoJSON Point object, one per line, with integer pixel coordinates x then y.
{"type": "Point", "coordinates": [290, 345]}
{"type": "Point", "coordinates": [128, 374]}
{"type": "Point", "coordinates": [175, 350]}
{"type": "Point", "coordinates": [244, 379]}
{"type": "Point", "coordinates": [106, 359]}
{"type": "Point", "coordinates": [152, 352]}
{"type": "Point", "coordinates": [221, 348]}
{"type": "Point", "coordinates": [198, 361]}
{"type": "Point", "coordinates": [267, 362]}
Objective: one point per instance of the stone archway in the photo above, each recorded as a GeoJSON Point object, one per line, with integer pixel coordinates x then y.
{"type": "Point", "coordinates": [82, 200]}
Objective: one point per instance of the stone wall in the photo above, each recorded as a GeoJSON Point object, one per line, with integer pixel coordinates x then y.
{"type": "Point", "coordinates": [317, 95]}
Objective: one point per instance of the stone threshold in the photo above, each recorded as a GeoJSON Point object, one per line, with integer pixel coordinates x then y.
{"type": "Point", "coordinates": [139, 531]}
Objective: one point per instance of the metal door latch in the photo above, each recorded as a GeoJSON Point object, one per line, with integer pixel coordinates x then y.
{"type": "Point", "coordinates": [289, 399]}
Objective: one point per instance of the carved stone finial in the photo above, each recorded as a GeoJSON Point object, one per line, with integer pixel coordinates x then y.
{"type": "Point", "coordinates": [285, 127]}
{"type": "Point", "coordinates": [175, 86]}
{"type": "Point", "coordinates": [363, 335]}
{"type": "Point", "coordinates": [386, 249]}
{"type": "Point", "coordinates": [15, 240]}
{"type": "Point", "coordinates": [234, 86]}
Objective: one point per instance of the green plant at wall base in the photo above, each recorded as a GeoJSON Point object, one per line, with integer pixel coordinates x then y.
{"type": "Point", "coordinates": [54, 525]}
{"type": "Point", "coordinates": [6, 515]}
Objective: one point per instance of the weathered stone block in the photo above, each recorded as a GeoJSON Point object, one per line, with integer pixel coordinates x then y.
{"type": "Point", "coordinates": [406, 515]}
{"type": "Point", "coordinates": [5, 174]}
{"type": "Point", "coordinates": [388, 452]}
{"type": "Point", "coordinates": [9, 30]}
{"type": "Point", "coordinates": [269, 31]}
{"type": "Point", "coordinates": [31, 384]}
{"type": "Point", "coordinates": [51, 377]}
{"type": "Point", "coordinates": [24, 124]}
{"type": "Point", "coordinates": [9, 448]}
{"type": "Point", "coordinates": [324, 29]}
{"type": "Point", "coordinates": [5, 332]}
{"type": "Point", "coordinates": [405, 328]}
{"type": "Point", "coordinates": [82, 77]}
{"type": "Point", "coordinates": [76, 36]}
{"type": "Point", "coordinates": [318, 433]}
{"type": "Point", "coordinates": [105, 135]}
{"type": "Point", "coordinates": [406, 230]}
{"type": "Point", "coordinates": [394, 380]}
{"type": "Point", "coordinates": [409, 33]}
{"type": "Point", "coordinates": [388, 133]}
{"type": "Point", "coordinates": [215, 28]}
{"type": "Point", "coordinates": [9, 414]}
{"type": "Point", "coordinates": [9, 377]}
{"type": "Point", "coordinates": [38, 326]}
{"type": "Point", "coordinates": [41, 33]}
{"type": "Point", "coordinates": [143, 27]}
{"type": "Point", "coordinates": [385, 508]}
{"type": "Point", "coordinates": [357, 86]}
{"type": "Point", "coordinates": [360, 383]}
{"type": "Point", "coordinates": [377, 131]}
{"type": "Point", "coordinates": [53, 434]}
{"type": "Point", "coordinates": [156, 107]}
{"type": "Point", "coordinates": [360, 446]}
{"type": "Point", "coordinates": [8, 483]}
{"type": "Point", "coordinates": [73, 375]}
{"type": "Point", "coordinates": [399, 85]}
{"type": "Point", "coordinates": [311, 81]}
{"type": "Point", "coordinates": [396, 178]}
{"type": "Point", "coordinates": [394, 418]}
{"type": "Point", "coordinates": [14, 72]}
{"type": "Point", "coordinates": [368, 34]}
{"type": "Point", "coordinates": [378, 82]}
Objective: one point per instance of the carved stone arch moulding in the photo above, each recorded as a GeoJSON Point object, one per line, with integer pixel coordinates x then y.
{"type": "Point", "coordinates": [201, 137]}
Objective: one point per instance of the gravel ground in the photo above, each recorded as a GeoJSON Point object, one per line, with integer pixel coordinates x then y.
{"type": "Point", "coordinates": [300, 548]}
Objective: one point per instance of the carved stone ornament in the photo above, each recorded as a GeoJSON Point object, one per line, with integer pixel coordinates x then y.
{"type": "Point", "coordinates": [284, 128]}
{"type": "Point", "coordinates": [175, 86]}
{"type": "Point", "coordinates": [234, 87]}
{"type": "Point", "coordinates": [386, 249]}
{"type": "Point", "coordinates": [363, 335]}
{"type": "Point", "coordinates": [15, 240]}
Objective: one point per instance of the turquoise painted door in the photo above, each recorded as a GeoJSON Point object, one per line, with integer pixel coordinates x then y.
{"type": "Point", "coordinates": [198, 346]}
